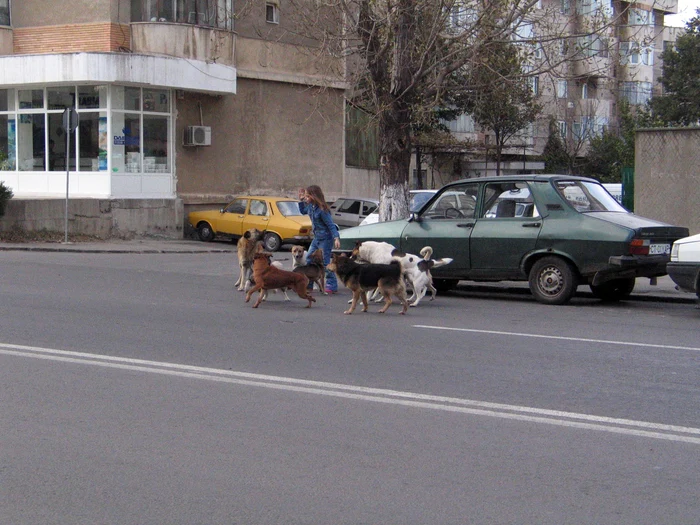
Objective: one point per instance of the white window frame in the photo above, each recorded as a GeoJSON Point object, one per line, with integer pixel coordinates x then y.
{"type": "Point", "coordinates": [272, 13]}
{"type": "Point", "coordinates": [562, 129]}
{"type": "Point", "coordinates": [562, 89]}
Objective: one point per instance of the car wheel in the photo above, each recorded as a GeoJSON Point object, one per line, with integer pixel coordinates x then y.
{"type": "Point", "coordinates": [205, 232]}
{"type": "Point", "coordinates": [614, 290]}
{"type": "Point", "coordinates": [272, 242]}
{"type": "Point", "coordinates": [444, 285]}
{"type": "Point", "coordinates": [553, 280]}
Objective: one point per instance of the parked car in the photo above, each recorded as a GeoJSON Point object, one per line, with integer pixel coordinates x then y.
{"type": "Point", "coordinates": [684, 267]}
{"type": "Point", "coordinates": [418, 199]}
{"type": "Point", "coordinates": [570, 231]}
{"type": "Point", "coordinates": [279, 217]}
{"type": "Point", "coordinates": [351, 211]}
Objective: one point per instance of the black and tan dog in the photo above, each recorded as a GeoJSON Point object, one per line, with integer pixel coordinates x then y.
{"type": "Point", "coordinates": [361, 278]}
{"type": "Point", "coordinates": [314, 270]}
{"type": "Point", "coordinates": [269, 277]}
{"type": "Point", "coordinates": [247, 247]}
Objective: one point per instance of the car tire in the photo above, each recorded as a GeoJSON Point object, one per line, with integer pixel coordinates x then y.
{"type": "Point", "coordinates": [553, 280]}
{"type": "Point", "coordinates": [272, 242]}
{"type": "Point", "coordinates": [205, 232]}
{"type": "Point", "coordinates": [444, 285]}
{"type": "Point", "coordinates": [615, 290]}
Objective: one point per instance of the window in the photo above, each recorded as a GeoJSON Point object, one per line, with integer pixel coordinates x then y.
{"type": "Point", "coordinates": [509, 200]}
{"type": "Point", "coordinates": [640, 17]}
{"type": "Point", "coordinates": [562, 89]}
{"type": "Point", "coordinates": [584, 91]}
{"type": "Point", "coordinates": [237, 206]}
{"type": "Point", "coordinates": [534, 84]}
{"type": "Point", "coordinates": [4, 12]}
{"type": "Point", "coordinates": [565, 7]}
{"type": "Point", "coordinates": [636, 92]}
{"type": "Point", "coordinates": [457, 203]}
{"type": "Point", "coordinates": [593, 46]}
{"type": "Point", "coordinates": [258, 208]}
{"type": "Point", "coordinates": [633, 54]}
{"type": "Point", "coordinates": [562, 129]}
{"type": "Point", "coordinates": [212, 13]}
{"type": "Point", "coordinates": [272, 13]}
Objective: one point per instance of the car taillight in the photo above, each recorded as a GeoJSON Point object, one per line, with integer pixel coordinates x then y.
{"type": "Point", "coordinates": [639, 247]}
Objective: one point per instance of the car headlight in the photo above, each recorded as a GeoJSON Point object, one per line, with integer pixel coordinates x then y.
{"type": "Point", "coordinates": [674, 252]}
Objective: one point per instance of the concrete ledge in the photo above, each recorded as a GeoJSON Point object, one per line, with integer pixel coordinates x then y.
{"type": "Point", "coordinates": [102, 218]}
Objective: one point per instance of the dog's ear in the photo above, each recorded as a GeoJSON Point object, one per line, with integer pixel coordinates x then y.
{"type": "Point", "coordinates": [424, 265]}
{"type": "Point", "coordinates": [396, 253]}
{"type": "Point", "coordinates": [247, 234]}
{"type": "Point", "coordinates": [358, 244]}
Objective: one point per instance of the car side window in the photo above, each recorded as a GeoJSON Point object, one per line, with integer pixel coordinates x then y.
{"type": "Point", "coordinates": [368, 207]}
{"type": "Point", "coordinates": [237, 206]}
{"type": "Point", "coordinates": [508, 200]}
{"type": "Point", "coordinates": [457, 202]}
{"type": "Point", "coordinates": [258, 207]}
{"type": "Point", "coordinates": [350, 206]}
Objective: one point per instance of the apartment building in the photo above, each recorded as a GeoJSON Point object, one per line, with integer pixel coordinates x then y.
{"type": "Point", "coordinates": [181, 104]}
{"type": "Point", "coordinates": [582, 92]}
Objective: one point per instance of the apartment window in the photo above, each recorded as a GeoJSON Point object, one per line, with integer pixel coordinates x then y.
{"type": "Point", "coordinates": [565, 7]}
{"type": "Point", "coordinates": [640, 17]}
{"type": "Point", "coordinates": [593, 46]}
{"type": "Point", "coordinates": [562, 89]}
{"type": "Point", "coordinates": [4, 12]}
{"type": "Point", "coordinates": [534, 84]}
{"type": "Point", "coordinates": [636, 92]}
{"type": "Point", "coordinates": [562, 129]}
{"type": "Point", "coordinates": [272, 13]}
{"type": "Point", "coordinates": [212, 13]}
{"type": "Point", "coordinates": [593, 7]}
{"type": "Point", "coordinates": [584, 91]}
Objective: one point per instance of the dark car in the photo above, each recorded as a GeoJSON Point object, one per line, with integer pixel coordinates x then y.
{"type": "Point", "coordinates": [554, 231]}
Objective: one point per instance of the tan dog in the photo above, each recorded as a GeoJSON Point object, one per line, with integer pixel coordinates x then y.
{"type": "Point", "coordinates": [298, 256]}
{"type": "Point", "coordinates": [314, 270]}
{"type": "Point", "coordinates": [268, 277]}
{"type": "Point", "coordinates": [247, 247]}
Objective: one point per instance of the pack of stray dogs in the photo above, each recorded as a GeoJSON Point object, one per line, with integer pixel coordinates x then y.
{"type": "Point", "coordinates": [375, 268]}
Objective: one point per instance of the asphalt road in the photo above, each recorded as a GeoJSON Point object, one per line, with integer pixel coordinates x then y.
{"type": "Point", "coordinates": [140, 388]}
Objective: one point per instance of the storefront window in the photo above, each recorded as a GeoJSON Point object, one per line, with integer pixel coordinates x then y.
{"type": "Point", "coordinates": [127, 98]}
{"type": "Point", "coordinates": [61, 97]}
{"type": "Point", "coordinates": [92, 97]}
{"type": "Point", "coordinates": [31, 144]}
{"type": "Point", "coordinates": [155, 144]}
{"type": "Point", "coordinates": [31, 98]}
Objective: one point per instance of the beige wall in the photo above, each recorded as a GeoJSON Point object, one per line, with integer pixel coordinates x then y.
{"type": "Point", "coordinates": [29, 13]}
{"type": "Point", "coordinates": [270, 137]}
{"type": "Point", "coordinates": [666, 176]}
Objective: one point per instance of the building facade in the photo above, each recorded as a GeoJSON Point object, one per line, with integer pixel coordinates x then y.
{"type": "Point", "coordinates": [580, 82]}
{"type": "Point", "coordinates": [181, 104]}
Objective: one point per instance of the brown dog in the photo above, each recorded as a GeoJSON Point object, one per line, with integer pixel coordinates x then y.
{"type": "Point", "coordinates": [247, 247]}
{"type": "Point", "coordinates": [361, 278]}
{"type": "Point", "coordinates": [268, 277]}
{"type": "Point", "coordinates": [315, 270]}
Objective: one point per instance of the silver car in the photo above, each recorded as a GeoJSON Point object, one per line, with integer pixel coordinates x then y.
{"type": "Point", "coordinates": [351, 211]}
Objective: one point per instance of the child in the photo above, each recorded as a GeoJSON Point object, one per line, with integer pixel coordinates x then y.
{"type": "Point", "coordinates": [326, 235]}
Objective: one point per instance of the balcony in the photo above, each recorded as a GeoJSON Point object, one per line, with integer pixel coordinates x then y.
{"type": "Point", "coordinates": [201, 43]}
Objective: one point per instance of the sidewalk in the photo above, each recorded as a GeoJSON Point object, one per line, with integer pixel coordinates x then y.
{"type": "Point", "coordinates": [664, 290]}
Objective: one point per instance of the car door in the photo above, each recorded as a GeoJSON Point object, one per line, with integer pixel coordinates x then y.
{"type": "Point", "coordinates": [346, 212]}
{"type": "Point", "coordinates": [507, 230]}
{"type": "Point", "coordinates": [446, 226]}
{"type": "Point", "coordinates": [231, 219]}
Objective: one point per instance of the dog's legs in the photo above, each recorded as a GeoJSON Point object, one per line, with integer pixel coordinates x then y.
{"type": "Point", "coordinates": [286, 297]}
{"type": "Point", "coordinates": [420, 296]}
{"type": "Point", "coordinates": [355, 297]}
{"type": "Point", "coordinates": [387, 303]}
{"type": "Point", "coordinates": [261, 297]}
{"type": "Point", "coordinates": [365, 302]}
{"type": "Point", "coordinates": [252, 291]}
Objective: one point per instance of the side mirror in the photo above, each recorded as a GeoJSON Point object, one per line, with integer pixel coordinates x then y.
{"type": "Point", "coordinates": [413, 217]}
{"type": "Point", "coordinates": [221, 210]}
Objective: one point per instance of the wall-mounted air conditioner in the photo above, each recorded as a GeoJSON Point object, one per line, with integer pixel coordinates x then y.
{"type": "Point", "coordinates": [198, 136]}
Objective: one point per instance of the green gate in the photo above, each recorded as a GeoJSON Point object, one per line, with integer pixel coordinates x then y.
{"type": "Point", "coordinates": [628, 188]}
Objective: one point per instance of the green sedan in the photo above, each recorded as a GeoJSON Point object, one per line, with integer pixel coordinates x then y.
{"type": "Point", "coordinates": [555, 231]}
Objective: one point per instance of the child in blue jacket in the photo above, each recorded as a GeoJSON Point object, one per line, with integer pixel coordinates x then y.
{"type": "Point", "coordinates": [326, 235]}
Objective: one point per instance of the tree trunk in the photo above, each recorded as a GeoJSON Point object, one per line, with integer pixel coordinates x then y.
{"type": "Point", "coordinates": [395, 162]}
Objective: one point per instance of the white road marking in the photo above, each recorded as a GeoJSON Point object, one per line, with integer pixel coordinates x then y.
{"type": "Point", "coordinates": [559, 337]}
{"type": "Point", "coordinates": [377, 395]}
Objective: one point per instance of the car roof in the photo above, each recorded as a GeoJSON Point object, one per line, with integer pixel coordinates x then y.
{"type": "Point", "coordinates": [265, 197]}
{"type": "Point", "coordinates": [526, 177]}
{"type": "Point", "coordinates": [358, 199]}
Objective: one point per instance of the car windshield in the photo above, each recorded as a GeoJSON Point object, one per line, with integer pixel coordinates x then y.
{"type": "Point", "coordinates": [587, 196]}
{"type": "Point", "coordinates": [288, 208]}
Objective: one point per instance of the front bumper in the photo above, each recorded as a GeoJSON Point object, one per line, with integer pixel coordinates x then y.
{"type": "Point", "coordinates": [685, 275]}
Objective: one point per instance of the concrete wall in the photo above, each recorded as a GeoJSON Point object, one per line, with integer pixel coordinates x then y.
{"type": "Point", "coordinates": [103, 218]}
{"type": "Point", "coordinates": [666, 176]}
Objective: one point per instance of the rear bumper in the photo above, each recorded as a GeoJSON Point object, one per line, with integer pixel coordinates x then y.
{"type": "Point", "coordinates": [626, 266]}
{"type": "Point", "coordinates": [685, 275]}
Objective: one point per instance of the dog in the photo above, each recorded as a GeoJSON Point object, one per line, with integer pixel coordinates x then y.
{"type": "Point", "coordinates": [247, 247]}
{"type": "Point", "coordinates": [360, 278]}
{"type": "Point", "coordinates": [299, 254]}
{"type": "Point", "coordinates": [315, 270]}
{"type": "Point", "coordinates": [251, 282]}
{"type": "Point", "coordinates": [269, 277]}
{"type": "Point", "coordinates": [373, 252]}
{"type": "Point", "coordinates": [417, 272]}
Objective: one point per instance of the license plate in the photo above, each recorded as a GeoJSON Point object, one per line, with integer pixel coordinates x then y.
{"type": "Point", "coordinates": [659, 249]}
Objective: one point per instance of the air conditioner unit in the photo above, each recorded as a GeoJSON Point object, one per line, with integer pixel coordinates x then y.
{"type": "Point", "coordinates": [198, 136]}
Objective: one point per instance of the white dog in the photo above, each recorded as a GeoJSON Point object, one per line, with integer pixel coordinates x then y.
{"type": "Point", "coordinates": [417, 272]}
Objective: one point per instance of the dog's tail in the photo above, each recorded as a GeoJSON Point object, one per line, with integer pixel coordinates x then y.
{"type": "Point", "coordinates": [426, 252]}
{"type": "Point", "coordinates": [442, 262]}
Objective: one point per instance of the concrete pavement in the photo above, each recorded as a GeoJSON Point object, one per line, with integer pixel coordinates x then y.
{"type": "Point", "coordinates": [664, 290]}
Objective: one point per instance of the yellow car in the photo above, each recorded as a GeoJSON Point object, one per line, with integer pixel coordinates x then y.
{"type": "Point", "coordinates": [278, 217]}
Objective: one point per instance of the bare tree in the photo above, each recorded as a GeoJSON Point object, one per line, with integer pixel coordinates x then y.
{"type": "Point", "coordinates": [405, 58]}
